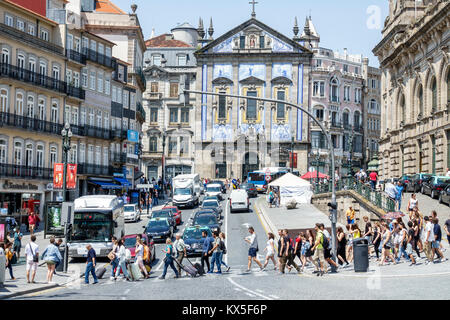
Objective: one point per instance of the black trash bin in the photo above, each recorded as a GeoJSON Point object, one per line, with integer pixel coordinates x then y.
{"type": "Point", "coordinates": [61, 263]}
{"type": "Point", "coordinates": [361, 254]}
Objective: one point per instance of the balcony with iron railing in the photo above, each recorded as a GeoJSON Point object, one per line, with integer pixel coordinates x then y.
{"type": "Point", "coordinates": [76, 92]}
{"type": "Point", "coordinates": [76, 56]}
{"type": "Point", "coordinates": [28, 123]}
{"type": "Point", "coordinates": [99, 58]}
{"type": "Point", "coordinates": [8, 170]}
{"type": "Point", "coordinates": [155, 95]}
{"type": "Point", "coordinates": [140, 110]}
{"type": "Point", "coordinates": [29, 39]}
{"type": "Point", "coordinates": [120, 157]}
{"type": "Point", "coordinates": [94, 169]}
{"type": "Point", "coordinates": [140, 75]}
{"type": "Point", "coordinates": [119, 134]}
{"type": "Point", "coordinates": [91, 131]}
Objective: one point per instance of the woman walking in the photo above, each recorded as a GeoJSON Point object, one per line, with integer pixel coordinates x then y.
{"type": "Point", "coordinates": [122, 256]}
{"type": "Point", "coordinates": [51, 256]}
{"type": "Point", "coordinates": [139, 253]}
{"type": "Point", "coordinates": [342, 241]}
{"type": "Point", "coordinates": [412, 203]}
{"type": "Point", "coordinates": [168, 260]}
{"type": "Point", "coordinates": [9, 256]}
{"type": "Point", "coordinates": [386, 243]}
{"type": "Point", "coordinates": [224, 250]}
{"type": "Point", "coordinates": [270, 251]}
{"type": "Point", "coordinates": [113, 256]}
{"type": "Point", "coordinates": [307, 253]}
{"type": "Point", "coordinates": [377, 239]}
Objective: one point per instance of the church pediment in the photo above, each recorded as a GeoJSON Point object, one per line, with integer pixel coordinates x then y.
{"type": "Point", "coordinates": [222, 81]}
{"type": "Point", "coordinates": [252, 80]}
{"type": "Point", "coordinates": [281, 80]}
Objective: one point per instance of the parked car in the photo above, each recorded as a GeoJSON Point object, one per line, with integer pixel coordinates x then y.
{"type": "Point", "coordinates": [416, 184]}
{"type": "Point", "coordinates": [176, 213]}
{"type": "Point", "coordinates": [435, 185]}
{"type": "Point", "coordinates": [130, 243]}
{"type": "Point", "coordinates": [208, 220]}
{"type": "Point", "coordinates": [131, 212]}
{"type": "Point", "coordinates": [239, 200]}
{"type": "Point", "coordinates": [405, 181]}
{"type": "Point", "coordinates": [222, 185]}
{"type": "Point", "coordinates": [444, 197]}
{"type": "Point", "coordinates": [165, 213]}
{"type": "Point", "coordinates": [250, 188]}
{"type": "Point", "coordinates": [159, 229]}
{"type": "Point", "coordinates": [211, 204]}
{"type": "Point", "coordinates": [192, 237]}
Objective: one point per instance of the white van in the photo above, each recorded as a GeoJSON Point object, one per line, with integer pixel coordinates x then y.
{"type": "Point", "coordinates": [214, 189]}
{"type": "Point", "coordinates": [186, 190]}
{"type": "Point", "coordinates": [239, 200]}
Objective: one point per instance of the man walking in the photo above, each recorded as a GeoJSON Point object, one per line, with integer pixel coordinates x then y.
{"type": "Point", "coordinates": [90, 265]}
{"type": "Point", "coordinates": [399, 195]}
{"type": "Point", "coordinates": [287, 253]}
{"type": "Point", "coordinates": [252, 251]}
{"type": "Point", "coordinates": [17, 242]}
{"type": "Point", "coordinates": [373, 179]}
{"type": "Point", "coordinates": [435, 245]}
{"type": "Point", "coordinates": [180, 248]}
{"type": "Point", "coordinates": [350, 215]}
{"type": "Point", "coordinates": [216, 252]}
{"type": "Point", "coordinates": [327, 250]}
{"type": "Point", "coordinates": [429, 238]}
{"type": "Point", "coordinates": [206, 246]}
{"type": "Point", "coordinates": [32, 253]}
{"type": "Point", "coordinates": [318, 250]}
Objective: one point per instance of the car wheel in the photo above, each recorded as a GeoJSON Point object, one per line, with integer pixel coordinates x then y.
{"type": "Point", "coordinates": [432, 194]}
{"type": "Point", "coordinates": [440, 198]}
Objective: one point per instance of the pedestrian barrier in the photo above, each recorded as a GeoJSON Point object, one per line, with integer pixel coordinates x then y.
{"type": "Point", "coordinates": [361, 254]}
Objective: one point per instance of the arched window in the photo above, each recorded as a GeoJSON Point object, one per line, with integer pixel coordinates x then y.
{"type": "Point", "coordinates": [19, 104]}
{"type": "Point", "coordinates": [153, 144]}
{"type": "Point", "coordinates": [334, 90]}
{"type": "Point", "coordinates": [356, 120]}
{"type": "Point", "coordinates": [346, 119]}
{"type": "Point", "coordinates": [41, 109]}
{"type": "Point", "coordinates": [402, 109]}
{"type": "Point", "coordinates": [434, 100]}
{"type": "Point", "coordinates": [40, 156]}
{"type": "Point", "coordinates": [4, 107]}
{"type": "Point", "coordinates": [5, 56]}
{"type": "Point", "coordinates": [30, 107]}
{"type": "Point", "coordinates": [53, 156]}
{"type": "Point", "coordinates": [3, 151]}
{"type": "Point", "coordinates": [29, 155]}
{"type": "Point", "coordinates": [420, 100]}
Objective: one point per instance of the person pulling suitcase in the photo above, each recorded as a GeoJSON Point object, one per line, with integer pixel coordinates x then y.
{"type": "Point", "coordinates": [168, 259]}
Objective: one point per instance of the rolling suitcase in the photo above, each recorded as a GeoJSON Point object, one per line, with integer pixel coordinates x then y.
{"type": "Point", "coordinates": [198, 267]}
{"type": "Point", "coordinates": [100, 272]}
{"type": "Point", "coordinates": [190, 270]}
{"type": "Point", "coordinates": [135, 272]}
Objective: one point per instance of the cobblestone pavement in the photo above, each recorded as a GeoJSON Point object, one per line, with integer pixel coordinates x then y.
{"type": "Point", "coordinates": [427, 204]}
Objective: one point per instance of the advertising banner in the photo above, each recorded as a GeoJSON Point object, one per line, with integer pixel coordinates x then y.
{"type": "Point", "coordinates": [58, 173]}
{"type": "Point", "coordinates": [71, 176]}
{"type": "Point", "coordinates": [52, 216]}
{"type": "Point", "coordinates": [133, 136]}
{"type": "Point", "coordinates": [2, 232]}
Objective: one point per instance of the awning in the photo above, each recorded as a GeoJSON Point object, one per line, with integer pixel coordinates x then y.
{"type": "Point", "coordinates": [106, 185]}
{"type": "Point", "coordinates": [123, 182]}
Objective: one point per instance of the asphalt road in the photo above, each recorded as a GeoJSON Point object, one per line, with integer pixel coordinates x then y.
{"type": "Point", "coordinates": [400, 282]}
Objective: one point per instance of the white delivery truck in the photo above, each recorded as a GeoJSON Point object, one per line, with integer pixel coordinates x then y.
{"type": "Point", "coordinates": [186, 190]}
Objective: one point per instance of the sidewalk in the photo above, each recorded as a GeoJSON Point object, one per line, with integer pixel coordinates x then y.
{"type": "Point", "coordinates": [20, 286]}
{"type": "Point", "coordinates": [306, 216]}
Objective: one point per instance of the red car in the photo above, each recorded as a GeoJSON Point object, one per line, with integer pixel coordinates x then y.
{"type": "Point", "coordinates": [176, 212]}
{"type": "Point", "coordinates": [130, 243]}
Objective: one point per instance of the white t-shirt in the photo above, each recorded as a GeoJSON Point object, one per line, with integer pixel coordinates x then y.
{"type": "Point", "coordinates": [448, 173]}
{"type": "Point", "coordinates": [269, 247]}
{"type": "Point", "coordinates": [30, 249]}
{"type": "Point", "coordinates": [429, 227]}
{"type": "Point", "coordinates": [141, 251]}
{"type": "Point", "coordinates": [253, 241]}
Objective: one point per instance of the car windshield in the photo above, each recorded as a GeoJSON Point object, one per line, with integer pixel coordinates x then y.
{"type": "Point", "coordinates": [161, 214]}
{"type": "Point", "coordinates": [210, 204]}
{"type": "Point", "coordinates": [213, 189]}
{"type": "Point", "coordinates": [156, 224]}
{"type": "Point", "coordinates": [195, 233]}
{"type": "Point", "coordinates": [182, 192]}
{"type": "Point", "coordinates": [443, 180]}
{"type": "Point", "coordinates": [128, 209]}
{"type": "Point", "coordinates": [205, 220]}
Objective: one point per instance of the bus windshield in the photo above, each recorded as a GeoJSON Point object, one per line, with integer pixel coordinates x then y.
{"type": "Point", "coordinates": [92, 227]}
{"type": "Point", "coordinates": [255, 176]}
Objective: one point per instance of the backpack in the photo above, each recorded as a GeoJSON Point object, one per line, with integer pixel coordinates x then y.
{"type": "Point", "coordinates": [222, 247]}
{"type": "Point", "coordinates": [127, 254]}
{"type": "Point", "coordinates": [325, 242]}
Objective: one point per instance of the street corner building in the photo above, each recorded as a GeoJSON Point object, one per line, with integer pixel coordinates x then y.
{"type": "Point", "coordinates": [415, 88]}
{"type": "Point", "coordinates": [236, 136]}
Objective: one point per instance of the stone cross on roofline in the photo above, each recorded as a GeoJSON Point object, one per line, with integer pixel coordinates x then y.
{"type": "Point", "coordinates": [253, 3]}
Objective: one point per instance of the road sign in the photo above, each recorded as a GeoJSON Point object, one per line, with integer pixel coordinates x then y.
{"type": "Point", "coordinates": [268, 178]}
{"type": "Point", "coordinates": [144, 186]}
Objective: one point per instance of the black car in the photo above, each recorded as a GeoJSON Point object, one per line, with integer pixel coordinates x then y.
{"type": "Point", "coordinates": [416, 184]}
{"type": "Point", "coordinates": [250, 188]}
{"type": "Point", "coordinates": [435, 185]}
{"type": "Point", "coordinates": [159, 229]}
{"type": "Point", "coordinates": [206, 204]}
{"type": "Point", "coordinates": [165, 213]}
{"type": "Point", "coordinates": [206, 219]}
{"type": "Point", "coordinates": [444, 197]}
{"type": "Point", "coordinates": [223, 187]}
{"type": "Point", "coordinates": [209, 210]}
{"type": "Point", "coordinates": [193, 239]}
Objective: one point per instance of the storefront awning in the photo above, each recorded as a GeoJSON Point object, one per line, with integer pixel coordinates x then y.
{"type": "Point", "coordinates": [106, 185]}
{"type": "Point", "coordinates": [123, 182]}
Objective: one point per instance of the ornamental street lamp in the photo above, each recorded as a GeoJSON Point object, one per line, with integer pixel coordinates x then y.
{"type": "Point", "coordinates": [163, 160]}
{"type": "Point", "coordinates": [66, 134]}
{"type": "Point", "coordinates": [292, 154]}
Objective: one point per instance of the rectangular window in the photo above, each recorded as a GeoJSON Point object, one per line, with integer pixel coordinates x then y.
{"type": "Point", "coordinates": [114, 94]}
{"type": "Point", "coordinates": [119, 95]}
{"type": "Point", "coordinates": [84, 44]}
{"type": "Point", "coordinates": [318, 62]}
{"type": "Point", "coordinates": [242, 42]}
{"type": "Point", "coordinates": [157, 60]}
{"type": "Point", "coordinates": [100, 82]}
{"type": "Point", "coordinates": [319, 114]}
{"type": "Point", "coordinates": [9, 20]}
{"type": "Point", "coordinates": [84, 77]}
{"type": "Point", "coordinates": [76, 79]}
{"type": "Point", "coordinates": [173, 115]}
{"type": "Point", "coordinates": [281, 95]}
{"type": "Point", "coordinates": [20, 25]}
{"type": "Point", "coordinates": [318, 88]}
{"type": "Point", "coordinates": [92, 81]}
{"type": "Point", "coordinates": [251, 106]}
{"type": "Point", "coordinates": [182, 59]}
{"type": "Point", "coordinates": [222, 106]}
{"type": "Point", "coordinates": [108, 52]}
{"type": "Point", "coordinates": [125, 98]}
{"type": "Point", "coordinates": [184, 115]}
{"type": "Point", "coordinates": [261, 42]}
{"type": "Point", "coordinates": [345, 67]}
{"type": "Point", "coordinates": [318, 140]}
{"type": "Point", "coordinates": [356, 70]}
{"type": "Point", "coordinates": [31, 29]}
{"type": "Point", "coordinates": [154, 87]}
{"type": "Point", "coordinates": [107, 85]}
{"type": "Point", "coordinates": [93, 45]}
{"type": "Point", "coordinates": [346, 93]}
{"type": "Point", "coordinates": [44, 34]}
{"type": "Point", "coordinates": [184, 145]}
{"type": "Point", "coordinates": [174, 90]}
{"type": "Point", "coordinates": [153, 144]}
{"type": "Point", "coordinates": [172, 144]}
{"type": "Point", "coordinates": [153, 115]}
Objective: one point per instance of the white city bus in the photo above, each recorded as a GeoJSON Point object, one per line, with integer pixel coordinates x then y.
{"type": "Point", "coordinates": [96, 219]}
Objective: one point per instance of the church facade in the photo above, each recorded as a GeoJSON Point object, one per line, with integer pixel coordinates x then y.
{"type": "Point", "coordinates": [235, 136]}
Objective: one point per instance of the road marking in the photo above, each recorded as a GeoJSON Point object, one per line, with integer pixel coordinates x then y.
{"type": "Point", "coordinates": [248, 290]}
{"type": "Point", "coordinates": [250, 295]}
{"type": "Point", "coordinates": [274, 296]}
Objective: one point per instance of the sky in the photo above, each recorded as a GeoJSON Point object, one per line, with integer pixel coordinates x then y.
{"type": "Point", "coordinates": [352, 24]}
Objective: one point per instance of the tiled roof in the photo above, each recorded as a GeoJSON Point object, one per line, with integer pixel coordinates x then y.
{"type": "Point", "coordinates": [107, 7]}
{"type": "Point", "coordinates": [162, 42]}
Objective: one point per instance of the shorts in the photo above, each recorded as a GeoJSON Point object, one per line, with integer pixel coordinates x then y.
{"type": "Point", "coordinates": [435, 244]}
{"type": "Point", "coordinates": [352, 221]}
{"type": "Point", "coordinates": [17, 247]}
{"type": "Point", "coordinates": [31, 265]}
{"type": "Point", "coordinates": [269, 254]}
{"type": "Point", "coordinates": [327, 253]}
{"type": "Point", "coordinates": [50, 262]}
{"type": "Point", "coordinates": [409, 249]}
{"type": "Point", "coordinates": [319, 255]}
{"type": "Point", "coordinates": [386, 247]}
{"type": "Point", "coordinates": [252, 252]}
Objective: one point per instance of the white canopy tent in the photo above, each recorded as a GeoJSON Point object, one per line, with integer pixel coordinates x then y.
{"type": "Point", "coordinates": [293, 187]}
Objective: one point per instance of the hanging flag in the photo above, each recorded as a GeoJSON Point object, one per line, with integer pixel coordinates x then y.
{"type": "Point", "coordinates": [71, 176]}
{"type": "Point", "coordinates": [58, 172]}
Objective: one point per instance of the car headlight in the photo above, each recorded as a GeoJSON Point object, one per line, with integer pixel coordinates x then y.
{"type": "Point", "coordinates": [188, 247]}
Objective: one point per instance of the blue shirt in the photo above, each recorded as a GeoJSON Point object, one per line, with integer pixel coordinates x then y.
{"type": "Point", "coordinates": [169, 248]}
{"type": "Point", "coordinates": [17, 236]}
{"type": "Point", "coordinates": [437, 232]}
{"type": "Point", "coordinates": [91, 255]}
{"type": "Point", "coordinates": [399, 192]}
{"type": "Point", "coordinates": [207, 244]}
{"type": "Point", "coordinates": [51, 253]}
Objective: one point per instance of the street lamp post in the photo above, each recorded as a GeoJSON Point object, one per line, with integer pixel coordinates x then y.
{"type": "Point", "coordinates": [163, 164]}
{"type": "Point", "coordinates": [66, 134]}
{"type": "Point", "coordinates": [333, 204]}
{"type": "Point", "coordinates": [292, 154]}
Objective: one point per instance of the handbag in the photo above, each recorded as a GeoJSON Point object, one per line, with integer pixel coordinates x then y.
{"type": "Point", "coordinates": [35, 256]}
{"type": "Point", "coordinates": [111, 256]}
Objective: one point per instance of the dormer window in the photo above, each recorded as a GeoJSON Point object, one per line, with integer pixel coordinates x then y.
{"type": "Point", "coordinates": [242, 42]}
{"type": "Point", "coordinates": [156, 60]}
{"type": "Point", "coordinates": [182, 60]}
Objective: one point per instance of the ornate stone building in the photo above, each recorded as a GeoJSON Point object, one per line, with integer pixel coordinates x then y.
{"type": "Point", "coordinates": [235, 136]}
{"type": "Point", "coordinates": [415, 85]}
